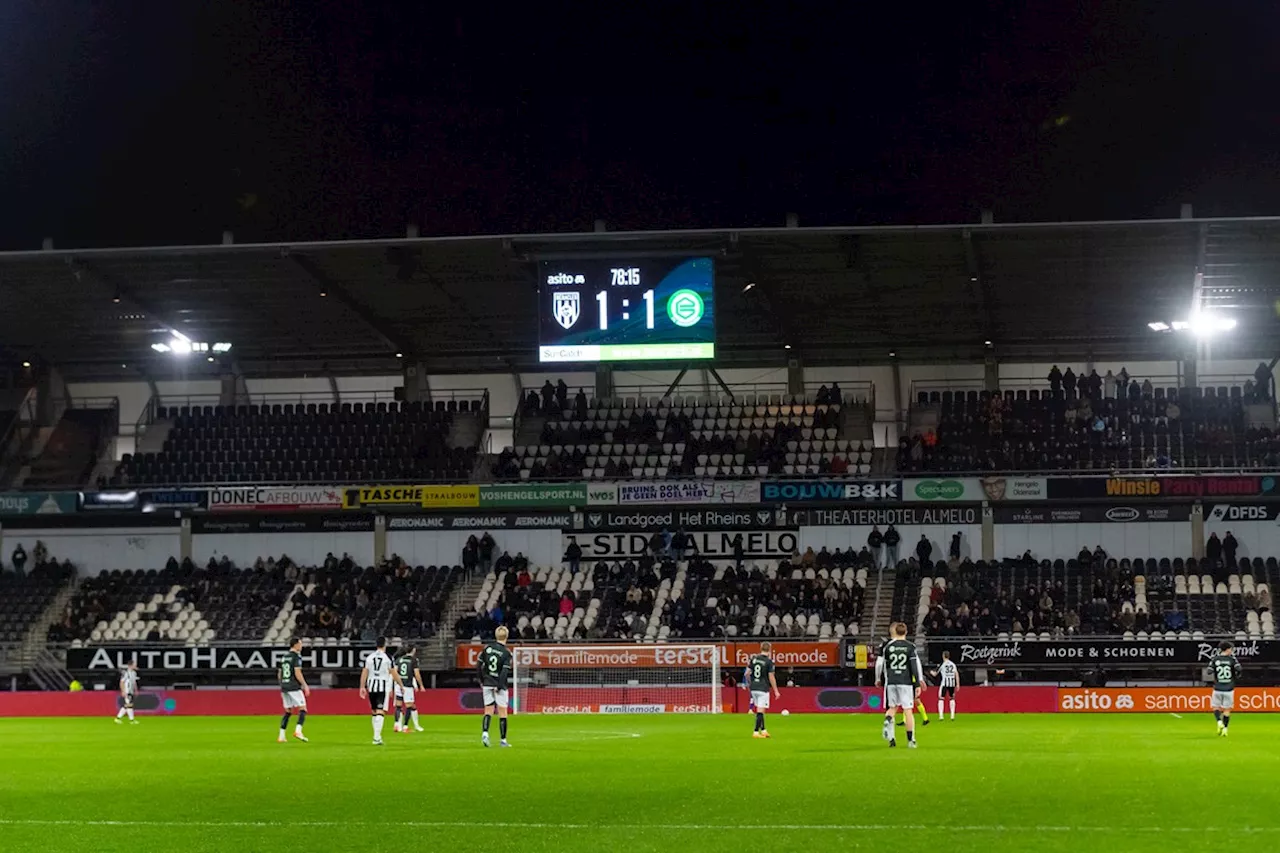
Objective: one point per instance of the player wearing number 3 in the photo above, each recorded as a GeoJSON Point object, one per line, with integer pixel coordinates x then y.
{"type": "Point", "coordinates": [761, 680]}
{"type": "Point", "coordinates": [494, 668]}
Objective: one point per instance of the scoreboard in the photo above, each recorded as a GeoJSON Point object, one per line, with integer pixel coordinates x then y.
{"type": "Point", "coordinates": [642, 309]}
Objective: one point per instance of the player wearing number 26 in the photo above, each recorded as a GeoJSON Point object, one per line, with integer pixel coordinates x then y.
{"type": "Point", "coordinates": [1225, 668]}
{"type": "Point", "coordinates": [494, 670]}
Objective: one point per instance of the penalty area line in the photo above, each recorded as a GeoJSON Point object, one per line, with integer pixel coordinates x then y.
{"type": "Point", "coordinates": [642, 827]}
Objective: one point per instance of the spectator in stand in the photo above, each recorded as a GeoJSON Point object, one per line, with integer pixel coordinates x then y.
{"type": "Point", "coordinates": [1229, 548]}
{"type": "Point", "coordinates": [562, 395]}
{"type": "Point", "coordinates": [837, 396]}
{"type": "Point", "coordinates": [1109, 386]}
{"type": "Point", "coordinates": [580, 405]}
{"type": "Point", "coordinates": [738, 552]}
{"type": "Point", "coordinates": [1213, 549]}
{"type": "Point", "coordinates": [823, 397]}
{"type": "Point", "coordinates": [471, 554]}
{"type": "Point", "coordinates": [487, 546]}
{"type": "Point", "coordinates": [523, 578]}
{"type": "Point", "coordinates": [1094, 385]}
{"type": "Point", "coordinates": [1069, 383]}
{"type": "Point", "coordinates": [548, 397]}
{"type": "Point", "coordinates": [875, 541]}
{"type": "Point", "coordinates": [954, 550]}
{"type": "Point", "coordinates": [566, 603]}
{"type": "Point", "coordinates": [573, 554]}
{"type": "Point", "coordinates": [1147, 389]}
{"type": "Point", "coordinates": [679, 542]}
{"type": "Point", "coordinates": [504, 564]}
{"type": "Point", "coordinates": [892, 538]}
{"type": "Point", "coordinates": [1122, 383]}
{"type": "Point", "coordinates": [19, 560]}
{"type": "Point", "coordinates": [1055, 380]}
{"type": "Point", "coordinates": [924, 550]}
{"type": "Point", "coordinates": [1262, 381]}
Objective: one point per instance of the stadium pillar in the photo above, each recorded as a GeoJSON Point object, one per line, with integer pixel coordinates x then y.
{"type": "Point", "coordinates": [988, 533]}
{"type": "Point", "coordinates": [990, 374]}
{"type": "Point", "coordinates": [417, 384]}
{"type": "Point", "coordinates": [1197, 530]}
{"type": "Point", "coordinates": [604, 381]}
{"type": "Point", "coordinates": [51, 391]}
{"type": "Point", "coordinates": [379, 539]}
{"type": "Point", "coordinates": [1189, 377]}
{"type": "Point", "coordinates": [184, 539]}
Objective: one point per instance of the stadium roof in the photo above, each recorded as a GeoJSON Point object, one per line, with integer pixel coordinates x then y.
{"type": "Point", "coordinates": [836, 295]}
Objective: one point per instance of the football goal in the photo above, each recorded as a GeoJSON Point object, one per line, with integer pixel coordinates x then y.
{"type": "Point", "coordinates": [619, 679]}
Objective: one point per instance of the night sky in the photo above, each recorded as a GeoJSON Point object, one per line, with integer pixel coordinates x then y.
{"type": "Point", "coordinates": [163, 122]}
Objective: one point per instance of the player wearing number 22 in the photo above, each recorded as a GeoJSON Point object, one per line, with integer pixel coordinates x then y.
{"type": "Point", "coordinates": [494, 668]}
{"type": "Point", "coordinates": [761, 681]}
{"type": "Point", "coordinates": [899, 669]}
{"type": "Point", "coordinates": [294, 690]}
{"type": "Point", "coordinates": [1225, 668]}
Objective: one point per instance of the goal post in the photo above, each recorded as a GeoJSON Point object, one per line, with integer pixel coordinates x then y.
{"type": "Point", "coordinates": [620, 679]}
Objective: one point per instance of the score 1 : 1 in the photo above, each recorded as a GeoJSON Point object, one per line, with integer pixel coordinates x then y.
{"type": "Point", "coordinates": [603, 298]}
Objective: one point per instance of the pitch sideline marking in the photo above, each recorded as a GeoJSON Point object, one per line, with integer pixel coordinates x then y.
{"type": "Point", "coordinates": [672, 827]}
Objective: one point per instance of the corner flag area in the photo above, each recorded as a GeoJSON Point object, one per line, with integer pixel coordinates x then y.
{"type": "Point", "coordinates": [691, 783]}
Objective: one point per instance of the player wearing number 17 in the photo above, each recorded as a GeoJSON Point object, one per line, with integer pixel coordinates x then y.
{"type": "Point", "coordinates": [899, 669]}
{"type": "Point", "coordinates": [761, 680]}
{"type": "Point", "coordinates": [1225, 668]}
{"type": "Point", "coordinates": [494, 668]}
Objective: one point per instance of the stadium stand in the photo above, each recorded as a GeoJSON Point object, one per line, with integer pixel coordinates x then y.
{"type": "Point", "coordinates": [686, 436]}
{"type": "Point", "coordinates": [24, 598]}
{"type": "Point", "coordinates": [1045, 430]}
{"type": "Point", "coordinates": [661, 599]}
{"type": "Point", "coordinates": [73, 448]}
{"type": "Point", "coordinates": [269, 602]}
{"type": "Point", "coordinates": [1091, 595]}
{"type": "Point", "coordinates": [313, 443]}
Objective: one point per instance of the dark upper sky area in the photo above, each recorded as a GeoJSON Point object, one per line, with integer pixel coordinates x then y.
{"type": "Point", "coordinates": [164, 122]}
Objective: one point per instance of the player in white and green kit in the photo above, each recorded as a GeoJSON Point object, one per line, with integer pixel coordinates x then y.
{"type": "Point", "coordinates": [294, 690]}
{"type": "Point", "coordinates": [1225, 668]}
{"type": "Point", "coordinates": [494, 666]}
{"type": "Point", "coordinates": [899, 669]}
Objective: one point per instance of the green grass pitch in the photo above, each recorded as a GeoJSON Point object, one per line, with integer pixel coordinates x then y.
{"type": "Point", "coordinates": [690, 783]}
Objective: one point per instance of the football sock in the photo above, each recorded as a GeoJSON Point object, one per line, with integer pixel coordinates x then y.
{"type": "Point", "coordinates": [502, 727]}
{"type": "Point", "coordinates": [397, 716]}
{"type": "Point", "coordinates": [911, 734]}
{"type": "Point", "coordinates": [1226, 721]}
{"type": "Point", "coordinates": [120, 713]}
{"type": "Point", "coordinates": [284, 721]}
{"type": "Point", "coordinates": [129, 711]}
{"type": "Point", "coordinates": [924, 715]}
{"type": "Point", "coordinates": [302, 718]}
{"type": "Point", "coordinates": [378, 721]}
{"type": "Point", "coordinates": [414, 714]}
{"type": "Point", "coordinates": [485, 726]}
{"type": "Point", "coordinates": [1217, 715]}
{"type": "Point", "coordinates": [953, 710]}
{"type": "Point", "coordinates": [759, 721]}
{"type": "Point", "coordinates": [939, 707]}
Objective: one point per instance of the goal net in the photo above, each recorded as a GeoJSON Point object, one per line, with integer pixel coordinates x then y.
{"type": "Point", "coordinates": [621, 679]}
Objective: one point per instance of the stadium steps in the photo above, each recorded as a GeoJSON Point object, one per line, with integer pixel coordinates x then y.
{"type": "Point", "coordinates": [882, 605]}
{"type": "Point", "coordinates": [530, 433]}
{"type": "Point", "coordinates": [19, 469]}
{"type": "Point", "coordinates": [439, 652]}
{"type": "Point", "coordinates": [70, 453]}
{"type": "Point", "coordinates": [467, 430]}
{"type": "Point", "coordinates": [856, 422]}
{"type": "Point", "coordinates": [152, 441]}
{"type": "Point", "coordinates": [37, 636]}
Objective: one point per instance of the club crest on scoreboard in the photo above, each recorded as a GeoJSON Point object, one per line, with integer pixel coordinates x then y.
{"type": "Point", "coordinates": [567, 308]}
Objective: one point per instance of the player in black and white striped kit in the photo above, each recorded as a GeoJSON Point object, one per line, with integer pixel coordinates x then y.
{"type": "Point", "coordinates": [948, 675]}
{"type": "Point", "coordinates": [376, 680]}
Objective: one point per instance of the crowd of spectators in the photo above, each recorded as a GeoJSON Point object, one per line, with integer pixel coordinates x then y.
{"type": "Point", "coordinates": [1092, 422]}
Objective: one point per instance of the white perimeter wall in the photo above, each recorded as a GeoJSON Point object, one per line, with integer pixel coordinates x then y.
{"type": "Point", "coordinates": [1255, 538]}
{"type": "Point", "coordinates": [1051, 541]}
{"type": "Point", "coordinates": [542, 547]}
{"type": "Point", "coordinates": [305, 549]}
{"type": "Point", "coordinates": [101, 549]}
{"type": "Point", "coordinates": [939, 535]}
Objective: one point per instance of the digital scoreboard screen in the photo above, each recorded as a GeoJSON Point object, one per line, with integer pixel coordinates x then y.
{"type": "Point", "coordinates": [646, 309]}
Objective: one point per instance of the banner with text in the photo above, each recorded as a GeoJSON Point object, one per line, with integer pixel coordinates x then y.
{"type": "Point", "coordinates": [274, 498]}
{"type": "Point", "coordinates": [688, 518]}
{"type": "Point", "coordinates": [493, 521]}
{"type": "Point", "coordinates": [1014, 488]}
{"type": "Point", "coordinates": [302, 522]}
{"type": "Point", "coordinates": [831, 491]}
{"type": "Point", "coordinates": [1090, 514]}
{"type": "Point", "coordinates": [864, 517]}
{"type": "Point", "coordinates": [773, 544]}
{"type": "Point", "coordinates": [412, 497]}
{"type": "Point", "coordinates": [38, 503]}
{"type": "Point", "coordinates": [624, 655]}
{"type": "Point", "coordinates": [1187, 486]}
{"type": "Point", "coordinates": [173, 499]}
{"type": "Point", "coordinates": [229, 658]}
{"type": "Point", "coordinates": [674, 492]}
{"type": "Point", "coordinates": [533, 495]}
{"type": "Point", "coordinates": [1118, 652]}
{"type": "Point", "coordinates": [1161, 700]}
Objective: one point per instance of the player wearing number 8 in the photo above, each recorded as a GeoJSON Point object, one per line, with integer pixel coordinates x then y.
{"type": "Point", "coordinates": [761, 680]}
{"type": "Point", "coordinates": [1225, 668]}
{"type": "Point", "coordinates": [494, 668]}
{"type": "Point", "coordinates": [294, 690]}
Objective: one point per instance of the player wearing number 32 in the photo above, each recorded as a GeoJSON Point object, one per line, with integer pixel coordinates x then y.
{"type": "Point", "coordinates": [899, 669]}
{"type": "Point", "coordinates": [761, 680]}
{"type": "Point", "coordinates": [494, 668]}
